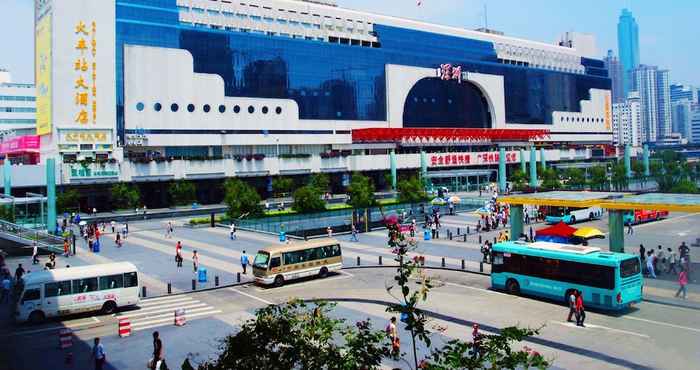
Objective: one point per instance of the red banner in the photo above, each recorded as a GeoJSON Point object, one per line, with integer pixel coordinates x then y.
{"type": "Point", "coordinates": [469, 159]}
{"type": "Point", "coordinates": [29, 143]}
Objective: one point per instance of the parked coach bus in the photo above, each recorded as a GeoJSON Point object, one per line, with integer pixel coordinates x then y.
{"type": "Point", "coordinates": [571, 215]}
{"type": "Point", "coordinates": [611, 281]}
{"type": "Point", "coordinates": [279, 263]}
{"type": "Point", "coordinates": [71, 290]}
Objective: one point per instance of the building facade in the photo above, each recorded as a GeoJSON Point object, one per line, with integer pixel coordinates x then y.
{"type": "Point", "coordinates": [652, 84]}
{"type": "Point", "coordinates": [628, 47]}
{"type": "Point", "coordinates": [627, 122]}
{"type": "Point", "coordinates": [280, 87]}
{"type": "Point", "coordinates": [17, 107]}
{"type": "Point", "coordinates": [680, 92]}
{"type": "Point", "coordinates": [615, 73]}
{"type": "Point", "coordinates": [694, 134]}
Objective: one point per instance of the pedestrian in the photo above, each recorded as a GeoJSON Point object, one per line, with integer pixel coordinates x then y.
{"type": "Point", "coordinates": [580, 309]}
{"type": "Point", "coordinates": [232, 231]}
{"type": "Point", "coordinates": [527, 217]}
{"type": "Point", "coordinates": [659, 261]}
{"type": "Point", "coordinates": [478, 225]}
{"type": "Point", "coordinates": [244, 262]}
{"type": "Point", "coordinates": [118, 241]}
{"type": "Point", "coordinates": [66, 250]}
{"type": "Point", "coordinates": [124, 231]}
{"type": "Point", "coordinates": [684, 252]}
{"type": "Point", "coordinates": [94, 211]}
{"type": "Point", "coordinates": [126, 227]}
{"type": "Point", "coordinates": [642, 252]}
{"type": "Point", "coordinates": [98, 353]}
{"type": "Point", "coordinates": [353, 233]}
{"type": "Point", "coordinates": [672, 261]}
{"type": "Point", "coordinates": [329, 230]}
{"type": "Point", "coordinates": [6, 284]}
{"type": "Point", "coordinates": [630, 230]}
{"type": "Point", "coordinates": [158, 359]}
{"type": "Point", "coordinates": [433, 229]}
{"type": "Point", "coordinates": [682, 282]}
{"type": "Point", "coordinates": [485, 251]}
{"type": "Point", "coordinates": [414, 226]}
{"type": "Point", "coordinates": [393, 334]}
{"type": "Point", "coordinates": [113, 224]}
{"type": "Point", "coordinates": [52, 260]}
{"type": "Point", "coordinates": [169, 230]}
{"type": "Point", "coordinates": [195, 261]}
{"type": "Point", "coordinates": [19, 272]}
{"type": "Point", "coordinates": [35, 254]}
{"type": "Point", "coordinates": [650, 264]}
{"type": "Point", "coordinates": [572, 306]}
{"type": "Point", "coordinates": [145, 211]}
{"type": "Point", "coordinates": [178, 254]}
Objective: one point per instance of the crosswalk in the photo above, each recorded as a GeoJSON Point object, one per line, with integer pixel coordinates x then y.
{"type": "Point", "coordinates": [157, 312]}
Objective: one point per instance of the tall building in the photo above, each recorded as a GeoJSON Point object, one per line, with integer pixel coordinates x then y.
{"type": "Point", "coordinates": [680, 92]}
{"type": "Point", "coordinates": [616, 77]}
{"type": "Point", "coordinates": [683, 98]}
{"type": "Point", "coordinates": [17, 107]}
{"type": "Point", "coordinates": [628, 48]}
{"type": "Point", "coordinates": [694, 134]}
{"type": "Point", "coordinates": [627, 125]}
{"type": "Point", "coordinates": [653, 87]}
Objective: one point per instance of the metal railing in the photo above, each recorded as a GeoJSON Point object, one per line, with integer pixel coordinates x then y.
{"type": "Point", "coordinates": [43, 239]}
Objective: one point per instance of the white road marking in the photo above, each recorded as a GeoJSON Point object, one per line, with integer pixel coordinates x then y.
{"type": "Point", "coordinates": [170, 319]}
{"type": "Point", "coordinates": [53, 328]}
{"type": "Point", "coordinates": [149, 302]}
{"type": "Point", "coordinates": [158, 310]}
{"type": "Point", "coordinates": [572, 325]}
{"type": "Point", "coordinates": [251, 296]}
{"type": "Point", "coordinates": [662, 323]}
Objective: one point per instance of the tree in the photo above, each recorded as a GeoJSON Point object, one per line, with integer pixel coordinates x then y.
{"type": "Point", "coordinates": [320, 181]}
{"type": "Point", "coordinates": [598, 178]}
{"type": "Point", "coordinates": [550, 179]}
{"type": "Point", "coordinates": [411, 190]}
{"type": "Point", "coordinates": [282, 185]}
{"type": "Point", "coordinates": [125, 196]}
{"type": "Point", "coordinates": [685, 186]}
{"type": "Point", "coordinates": [297, 335]}
{"type": "Point", "coordinates": [242, 199]}
{"type": "Point", "coordinates": [307, 199]}
{"type": "Point", "coordinates": [575, 178]}
{"type": "Point", "coordinates": [388, 180]}
{"type": "Point", "coordinates": [361, 192]}
{"type": "Point", "coordinates": [519, 180]}
{"type": "Point", "coordinates": [619, 177]}
{"type": "Point", "coordinates": [638, 172]}
{"type": "Point", "coordinates": [67, 200]}
{"type": "Point", "coordinates": [182, 192]}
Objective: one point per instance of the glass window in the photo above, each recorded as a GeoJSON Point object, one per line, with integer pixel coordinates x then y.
{"type": "Point", "coordinates": [111, 282]}
{"type": "Point", "coordinates": [264, 110]}
{"type": "Point", "coordinates": [206, 108]}
{"type": "Point", "coordinates": [157, 107]}
{"type": "Point", "coordinates": [251, 109]}
{"type": "Point", "coordinates": [130, 280]}
{"type": "Point", "coordinates": [84, 285]}
{"type": "Point", "coordinates": [174, 107]}
{"type": "Point", "coordinates": [236, 109]}
{"type": "Point", "coordinates": [278, 110]}
{"type": "Point", "coordinates": [275, 262]}
{"type": "Point", "coordinates": [31, 295]}
{"type": "Point", "coordinates": [629, 267]}
{"type": "Point", "coordinates": [57, 289]}
{"type": "Point", "coordinates": [139, 106]}
{"type": "Point", "coordinates": [190, 107]}
{"type": "Point", "coordinates": [261, 260]}
{"type": "Point", "coordinates": [222, 108]}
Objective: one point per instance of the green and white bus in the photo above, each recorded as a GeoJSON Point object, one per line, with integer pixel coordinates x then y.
{"type": "Point", "coordinates": [611, 281]}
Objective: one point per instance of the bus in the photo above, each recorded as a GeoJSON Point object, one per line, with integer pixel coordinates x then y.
{"type": "Point", "coordinates": [60, 292]}
{"type": "Point", "coordinates": [639, 216]}
{"type": "Point", "coordinates": [571, 215]}
{"type": "Point", "coordinates": [610, 281]}
{"type": "Point", "coordinates": [280, 263]}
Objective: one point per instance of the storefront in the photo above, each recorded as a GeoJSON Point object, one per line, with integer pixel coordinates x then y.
{"type": "Point", "coordinates": [21, 149]}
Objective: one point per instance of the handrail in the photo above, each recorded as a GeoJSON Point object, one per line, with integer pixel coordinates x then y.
{"type": "Point", "coordinates": [42, 238]}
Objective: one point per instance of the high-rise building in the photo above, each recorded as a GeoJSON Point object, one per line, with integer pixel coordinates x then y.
{"type": "Point", "coordinates": [683, 98]}
{"type": "Point", "coordinates": [694, 132]}
{"type": "Point", "coordinates": [612, 63]}
{"type": "Point", "coordinates": [628, 47]}
{"type": "Point", "coordinates": [17, 106]}
{"type": "Point", "coordinates": [680, 92]}
{"type": "Point", "coordinates": [653, 87]}
{"type": "Point", "coordinates": [627, 125]}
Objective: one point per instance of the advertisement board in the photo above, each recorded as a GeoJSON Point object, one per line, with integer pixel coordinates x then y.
{"type": "Point", "coordinates": [42, 65]}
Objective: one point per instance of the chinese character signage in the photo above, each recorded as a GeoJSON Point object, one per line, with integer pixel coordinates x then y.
{"type": "Point", "coordinates": [608, 113]}
{"type": "Point", "coordinates": [469, 159]}
{"type": "Point", "coordinates": [85, 69]}
{"type": "Point", "coordinates": [42, 65]}
{"type": "Point", "coordinates": [29, 143]}
{"type": "Point", "coordinates": [450, 72]}
{"type": "Point", "coordinates": [86, 136]}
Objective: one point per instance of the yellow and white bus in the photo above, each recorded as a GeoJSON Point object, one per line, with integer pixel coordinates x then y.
{"type": "Point", "coordinates": [279, 263]}
{"type": "Point", "coordinates": [72, 290]}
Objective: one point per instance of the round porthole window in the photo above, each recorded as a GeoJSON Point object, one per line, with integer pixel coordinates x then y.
{"type": "Point", "coordinates": [157, 107]}
{"type": "Point", "coordinates": [236, 109]}
{"type": "Point", "coordinates": [222, 108]}
{"type": "Point", "coordinates": [190, 108]}
{"type": "Point", "coordinates": [278, 110]}
{"type": "Point", "coordinates": [251, 109]}
{"type": "Point", "coordinates": [264, 110]}
{"type": "Point", "coordinates": [139, 107]}
{"type": "Point", "coordinates": [206, 108]}
{"type": "Point", "coordinates": [174, 107]}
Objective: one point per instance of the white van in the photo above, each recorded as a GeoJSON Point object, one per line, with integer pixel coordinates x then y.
{"type": "Point", "coordinates": [72, 290]}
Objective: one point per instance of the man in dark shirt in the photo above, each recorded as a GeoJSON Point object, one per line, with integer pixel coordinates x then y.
{"type": "Point", "coordinates": [19, 272]}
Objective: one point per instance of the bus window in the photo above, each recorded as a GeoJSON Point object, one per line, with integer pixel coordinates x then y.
{"type": "Point", "coordinates": [629, 267]}
{"type": "Point", "coordinates": [111, 282]}
{"type": "Point", "coordinates": [260, 260]}
{"type": "Point", "coordinates": [31, 295]}
{"type": "Point", "coordinates": [57, 289]}
{"type": "Point", "coordinates": [130, 280]}
{"type": "Point", "coordinates": [275, 262]}
{"type": "Point", "coordinates": [84, 285]}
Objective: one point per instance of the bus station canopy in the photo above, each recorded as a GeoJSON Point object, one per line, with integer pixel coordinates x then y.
{"type": "Point", "coordinates": [562, 198]}
{"type": "Point", "coordinates": [655, 201]}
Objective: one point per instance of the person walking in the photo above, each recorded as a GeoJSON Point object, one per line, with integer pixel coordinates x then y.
{"type": "Point", "coordinates": [433, 229]}
{"type": "Point", "coordinates": [125, 230]}
{"type": "Point", "coordinates": [414, 227]}
{"type": "Point", "coordinates": [178, 254]}
{"type": "Point", "coordinates": [630, 230]}
{"type": "Point", "coordinates": [169, 230]}
{"type": "Point", "coordinates": [232, 231]}
{"type": "Point", "coordinates": [35, 254]}
{"type": "Point", "coordinates": [684, 252]}
{"type": "Point", "coordinates": [6, 285]}
{"type": "Point", "coordinates": [157, 361]}
{"type": "Point", "coordinates": [683, 284]}
{"type": "Point", "coordinates": [642, 253]}
{"type": "Point", "coordinates": [244, 262]}
{"type": "Point", "coordinates": [19, 272]}
{"type": "Point", "coordinates": [195, 261]}
{"type": "Point", "coordinates": [118, 241]}
{"type": "Point", "coordinates": [329, 231]}
{"type": "Point", "coordinates": [650, 264]}
{"type": "Point", "coordinates": [580, 309]}
{"type": "Point", "coordinates": [659, 261]}
{"type": "Point", "coordinates": [98, 354]}
{"type": "Point", "coordinates": [672, 261]}
{"type": "Point", "coordinates": [114, 225]}
{"type": "Point", "coordinates": [353, 233]}
{"type": "Point", "coordinates": [572, 306]}
{"type": "Point", "coordinates": [393, 334]}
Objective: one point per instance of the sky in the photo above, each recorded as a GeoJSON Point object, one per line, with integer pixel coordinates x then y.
{"type": "Point", "coordinates": [668, 29]}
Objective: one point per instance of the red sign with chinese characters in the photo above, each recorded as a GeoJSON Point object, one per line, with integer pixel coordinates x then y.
{"type": "Point", "coordinates": [29, 143]}
{"type": "Point", "coordinates": [469, 159]}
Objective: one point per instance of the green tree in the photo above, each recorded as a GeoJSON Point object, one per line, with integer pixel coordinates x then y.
{"type": "Point", "coordinates": [638, 172]}
{"type": "Point", "coordinates": [411, 190]}
{"type": "Point", "coordinates": [387, 181]}
{"type": "Point", "coordinates": [575, 178]}
{"type": "Point", "coordinates": [242, 199]}
{"type": "Point", "coordinates": [320, 181]}
{"type": "Point", "coordinates": [282, 185]}
{"type": "Point", "coordinates": [182, 192]}
{"type": "Point", "coordinates": [361, 192]}
{"type": "Point", "coordinates": [125, 196]}
{"type": "Point", "coordinates": [67, 200]}
{"type": "Point", "coordinates": [519, 180]}
{"type": "Point", "coordinates": [307, 199]}
{"type": "Point", "coordinates": [598, 178]}
{"type": "Point", "coordinates": [297, 335]}
{"type": "Point", "coordinates": [619, 177]}
{"type": "Point", "coordinates": [685, 186]}
{"type": "Point", "coordinates": [550, 179]}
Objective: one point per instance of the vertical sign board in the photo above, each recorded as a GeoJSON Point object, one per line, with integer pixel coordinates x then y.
{"type": "Point", "coordinates": [42, 65]}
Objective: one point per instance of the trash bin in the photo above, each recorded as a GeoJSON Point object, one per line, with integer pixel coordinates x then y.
{"type": "Point", "coordinates": [283, 236]}
{"type": "Point", "coordinates": [96, 246]}
{"type": "Point", "coordinates": [202, 275]}
{"type": "Point", "coordinates": [426, 234]}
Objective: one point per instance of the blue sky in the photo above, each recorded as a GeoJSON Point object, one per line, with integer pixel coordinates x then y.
{"type": "Point", "coordinates": [668, 29]}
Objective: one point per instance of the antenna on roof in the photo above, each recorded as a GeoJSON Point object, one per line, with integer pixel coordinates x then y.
{"type": "Point", "coordinates": [486, 16]}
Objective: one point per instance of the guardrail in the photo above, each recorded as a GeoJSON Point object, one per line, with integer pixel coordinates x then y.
{"type": "Point", "coordinates": [20, 233]}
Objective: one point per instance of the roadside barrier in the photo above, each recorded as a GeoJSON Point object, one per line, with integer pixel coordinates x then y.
{"type": "Point", "coordinates": [180, 319]}
{"type": "Point", "coordinates": [65, 338]}
{"type": "Point", "coordinates": [124, 327]}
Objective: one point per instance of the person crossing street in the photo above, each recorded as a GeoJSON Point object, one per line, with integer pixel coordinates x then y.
{"type": "Point", "coordinates": [244, 262]}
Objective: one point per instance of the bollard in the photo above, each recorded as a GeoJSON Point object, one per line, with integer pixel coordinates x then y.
{"type": "Point", "coordinates": [238, 277]}
{"type": "Point", "coordinates": [467, 229]}
{"type": "Point", "coordinates": [437, 234]}
{"type": "Point", "coordinates": [216, 280]}
{"type": "Point", "coordinates": [358, 260]}
{"type": "Point", "coordinates": [457, 231]}
{"type": "Point", "coordinates": [212, 220]}
{"type": "Point", "coordinates": [443, 262]}
{"type": "Point", "coordinates": [194, 284]}
{"type": "Point", "coordinates": [380, 260]}
{"type": "Point", "coordinates": [143, 291]}
{"type": "Point", "coordinates": [494, 240]}
{"type": "Point", "coordinates": [479, 238]}
{"type": "Point", "coordinates": [170, 288]}
{"type": "Point", "coordinates": [450, 235]}
{"type": "Point", "coordinates": [481, 267]}
{"type": "Point", "coordinates": [465, 238]}
{"type": "Point", "coordinates": [462, 264]}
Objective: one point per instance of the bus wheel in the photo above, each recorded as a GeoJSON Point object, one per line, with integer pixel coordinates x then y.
{"type": "Point", "coordinates": [573, 219]}
{"type": "Point", "coordinates": [109, 307]}
{"type": "Point", "coordinates": [591, 216]}
{"type": "Point", "coordinates": [512, 287]}
{"type": "Point", "coordinates": [279, 281]}
{"type": "Point", "coordinates": [323, 273]}
{"type": "Point", "coordinates": [36, 317]}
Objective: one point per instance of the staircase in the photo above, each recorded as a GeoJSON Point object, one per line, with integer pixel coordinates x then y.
{"type": "Point", "coordinates": [17, 238]}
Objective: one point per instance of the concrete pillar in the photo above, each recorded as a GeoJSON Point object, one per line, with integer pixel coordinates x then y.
{"type": "Point", "coordinates": [516, 221]}
{"type": "Point", "coordinates": [617, 231]}
{"type": "Point", "coordinates": [424, 168]}
{"type": "Point", "coordinates": [51, 194]}
{"type": "Point", "coordinates": [523, 164]}
{"type": "Point", "coordinates": [533, 167]}
{"type": "Point", "coordinates": [645, 157]}
{"type": "Point", "coordinates": [502, 170]}
{"type": "Point", "coordinates": [628, 161]}
{"type": "Point", "coordinates": [392, 161]}
{"type": "Point", "coordinates": [543, 160]}
{"type": "Point", "coordinates": [7, 174]}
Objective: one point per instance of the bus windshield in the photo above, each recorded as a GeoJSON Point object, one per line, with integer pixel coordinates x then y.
{"type": "Point", "coordinates": [261, 260]}
{"type": "Point", "coordinates": [629, 267]}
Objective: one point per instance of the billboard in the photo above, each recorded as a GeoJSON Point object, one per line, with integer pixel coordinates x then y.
{"type": "Point", "coordinates": [42, 65]}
